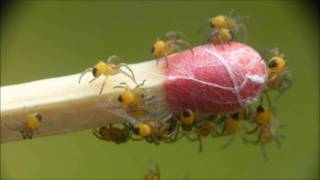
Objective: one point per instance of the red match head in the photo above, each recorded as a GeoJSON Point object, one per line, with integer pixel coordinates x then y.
{"type": "Point", "coordinates": [208, 78]}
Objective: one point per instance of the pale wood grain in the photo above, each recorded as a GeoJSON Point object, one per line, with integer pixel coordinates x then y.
{"type": "Point", "coordinates": [67, 106]}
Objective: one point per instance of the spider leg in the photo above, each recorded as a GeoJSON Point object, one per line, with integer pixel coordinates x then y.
{"type": "Point", "coordinates": [253, 131]}
{"type": "Point", "coordinates": [121, 87]}
{"type": "Point", "coordinates": [132, 77]}
{"type": "Point", "coordinates": [200, 144]}
{"type": "Point", "coordinates": [166, 59]}
{"type": "Point", "coordinates": [186, 43]}
{"type": "Point", "coordinates": [246, 140]}
{"type": "Point", "coordinates": [268, 99]}
{"type": "Point", "coordinates": [93, 79]}
{"type": "Point", "coordinates": [211, 33]}
{"type": "Point", "coordinates": [219, 120]}
{"type": "Point", "coordinates": [264, 153]}
{"type": "Point", "coordinates": [157, 170]}
{"type": "Point", "coordinates": [277, 141]}
{"type": "Point", "coordinates": [102, 86]}
{"type": "Point", "coordinates": [96, 133]}
{"type": "Point", "coordinates": [173, 137]}
{"type": "Point", "coordinates": [243, 28]}
{"type": "Point", "coordinates": [136, 139]}
{"type": "Point", "coordinates": [30, 134]}
{"type": "Point", "coordinates": [176, 136]}
{"type": "Point", "coordinates": [171, 35]}
{"type": "Point", "coordinates": [23, 134]}
{"type": "Point", "coordinates": [228, 143]}
{"type": "Point", "coordinates": [141, 84]}
{"type": "Point", "coordinates": [231, 13]}
{"type": "Point", "coordinates": [113, 59]}
{"type": "Point", "coordinates": [83, 73]}
{"type": "Point", "coordinates": [286, 83]}
{"type": "Point", "coordinates": [190, 138]}
{"type": "Point", "coordinates": [215, 133]}
{"type": "Point", "coordinates": [224, 127]}
{"type": "Point", "coordinates": [274, 51]}
{"type": "Point", "coordinates": [202, 26]}
{"type": "Point", "coordinates": [223, 43]}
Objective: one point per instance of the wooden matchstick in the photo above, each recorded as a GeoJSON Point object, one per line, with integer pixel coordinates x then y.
{"type": "Point", "coordinates": [208, 79]}
{"type": "Point", "coordinates": [66, 105]}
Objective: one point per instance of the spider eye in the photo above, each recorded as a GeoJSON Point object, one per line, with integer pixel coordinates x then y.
{"type": "Point", "coordinates": [235, 115]}
{"type": "Point", "coordinates": [186, 113]}
{"type": "Point", "coordinates": [39, 117]}
{"type": "Point", "coordinates": [120, 98]}
{"type": "Point", "coordinates": [152, 49]}
{"type": "Point", "coordinates": [272, 64]}
{"type": "Point", "coordinates": [135, 130]}
{"type": "Point", "coordinates": [260, 109]}
{"type": "Point", "coordinates": [94, 72]}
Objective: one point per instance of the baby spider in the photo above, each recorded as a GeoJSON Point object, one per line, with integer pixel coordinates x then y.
{"type": "Point", "coordinates": [132, 98]}
{"type": "Point", "coordinates": [266, 126]}
{"type": "Point", "coordinates": [187, 119]}
{"type": "Point", "coordinates": [232, 125]}
{"type": "Point", "coordinates": [148, 130]}
{"type": "Point", "coordinates": [114, 134]}
{"type": "Point", "coordinates": [142, 129]}
{"type": "Point", "coordinates": [30, 125]}
{"type": "Point", "coordinates": [202, 129]}
{"type": "Point", "coordinates": [172, 42]}
{"type": "Point", "coordinates": [279, 78]}
{"type": "Point", "coordinates": [266, 135]}
{"type": "Point", "coordinates": [155, 130]}
{"type": "Point", "coordinates": [153, 172]}
{"type": "Point", "coordinates": [231, 22]}
{"type": "Point", "coordinates": [108, 68]}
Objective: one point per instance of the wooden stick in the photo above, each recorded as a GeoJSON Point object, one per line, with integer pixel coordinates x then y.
{"type": "Point", "coordinates": [65, 105]}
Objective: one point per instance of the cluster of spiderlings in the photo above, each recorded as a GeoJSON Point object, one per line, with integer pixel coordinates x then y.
{"type": "Point", "coordinates": [194, 126]}
{"type": "Point", "coordinates": [266, 124]}
{"type": "Point", "coordinates": [144, 122]}
{"type": "Point", "coordinates": [148, 118]}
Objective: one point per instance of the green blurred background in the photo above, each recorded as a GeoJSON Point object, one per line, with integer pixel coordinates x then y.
{"type": "Point", "coordinates": [42, 39]}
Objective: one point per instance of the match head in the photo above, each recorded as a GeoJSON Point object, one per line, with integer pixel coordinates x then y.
{"type": "Point", "coordinates": [214, 78]}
